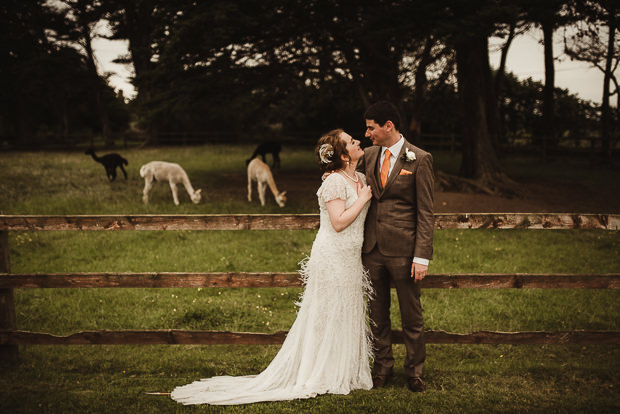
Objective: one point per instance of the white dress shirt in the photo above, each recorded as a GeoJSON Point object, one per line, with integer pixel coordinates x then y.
{"type": "Point", "coordinates": [394, 151]}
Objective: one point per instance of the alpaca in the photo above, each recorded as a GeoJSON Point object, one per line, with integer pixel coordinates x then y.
{"type": "Point", "coordinates": [265, 148]}
{"type": "Point", "coordinates": [110, 162]}
{"type": "Point", "coordinates": [167, 171]}
{"type": "Point", "coordinates": [259, 171]}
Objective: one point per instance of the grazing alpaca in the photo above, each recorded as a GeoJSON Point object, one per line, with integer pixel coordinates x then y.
{"type": "Point", "coordinates": [110, 162]}
{"type": "Point", "coordinates": [259, 171]}
{"type": "Point", "coordinates": [167, 171]}
{"type": "Point", "coordinates": [265, 148]}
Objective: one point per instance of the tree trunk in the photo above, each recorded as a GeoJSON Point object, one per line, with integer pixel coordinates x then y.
{"type": "Point", "coordinates": [499, 89]}
{"type": "Point", "coordinates": [492, 104]}
{"type": "Point", "coordinates": [548, 138]}
{"type": "Point", "coordinates": [23, 125]}
{"type": "Point", "coordinates": [357, 76]}
{"type": "Point", "coordinates": [419, 93]}
{"type": "Point", "coordinates": [363, 93]}
{"type": "Point", "coordinates": [614, 128]}
{"type": "Point", "coordinates": [102, 110]}
{"type": "Point", "coordinates": [605, 109]}
{"type": "Point", "coordinates": [501, 70]}
{"type": "Point", "coordinates": [65, 120]}
{"type": "Point", "coordinates": [472, 59]}
{"type": "Point", "coordinates": [103, 118]}
{"type": "Point", "coordinates": [138, 23]}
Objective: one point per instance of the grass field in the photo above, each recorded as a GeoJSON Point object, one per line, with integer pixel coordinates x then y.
{"type": "Point", "coordinates": [460, 378]}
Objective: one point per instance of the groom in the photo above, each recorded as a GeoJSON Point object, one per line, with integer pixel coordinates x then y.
{"type": "Point", "coordinates": [398, 238]}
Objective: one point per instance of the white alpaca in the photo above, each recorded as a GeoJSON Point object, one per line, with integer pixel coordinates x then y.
{"type": "Point", "coordinates": [167, 171]}
{"type": "Point", "coordinates": [259, 171]}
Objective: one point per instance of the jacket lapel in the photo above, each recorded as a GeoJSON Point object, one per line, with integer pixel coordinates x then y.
{"type": "Point", "coordinates": [371, 175]}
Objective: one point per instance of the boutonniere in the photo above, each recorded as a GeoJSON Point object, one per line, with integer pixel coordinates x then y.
{"type": "Point", "coordinates": [408, 156]}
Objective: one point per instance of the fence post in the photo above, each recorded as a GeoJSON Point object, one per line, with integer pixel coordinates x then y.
{"type": "Point", "coordinates": [8, 353]}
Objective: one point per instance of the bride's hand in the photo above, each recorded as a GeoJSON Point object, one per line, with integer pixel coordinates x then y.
{"type": "Point", "coordinates": [364, 192]}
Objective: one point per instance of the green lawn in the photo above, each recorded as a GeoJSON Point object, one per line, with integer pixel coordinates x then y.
{"type": "Point", "coordinates": [460, 378]}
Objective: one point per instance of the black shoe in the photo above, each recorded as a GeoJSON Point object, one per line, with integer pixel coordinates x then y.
{"type": "Point", "coordinates": [380, 381]}
{"type": "Point", "coordinates": [415, 384]}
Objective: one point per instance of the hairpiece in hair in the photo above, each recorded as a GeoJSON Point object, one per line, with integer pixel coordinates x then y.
{"type": "Point", "coordinates": [326, 151]}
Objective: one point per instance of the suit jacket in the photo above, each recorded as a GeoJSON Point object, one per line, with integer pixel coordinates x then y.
{"type": "Point", "coordinates": [400, 220]}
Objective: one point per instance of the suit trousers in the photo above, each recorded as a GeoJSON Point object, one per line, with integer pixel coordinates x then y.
{"type": "Point", "coordinates": [385, 270]}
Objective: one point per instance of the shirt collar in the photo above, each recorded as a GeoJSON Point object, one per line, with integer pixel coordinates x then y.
{"type": "Point", "coordinates": [394, 149]}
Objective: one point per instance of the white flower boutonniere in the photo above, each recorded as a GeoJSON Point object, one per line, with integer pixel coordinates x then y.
{"type": "Point", "coordinates": [408, 156]}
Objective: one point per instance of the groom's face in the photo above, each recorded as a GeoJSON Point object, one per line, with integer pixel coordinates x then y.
{"type": "Point", "coordinates": [379, 135]}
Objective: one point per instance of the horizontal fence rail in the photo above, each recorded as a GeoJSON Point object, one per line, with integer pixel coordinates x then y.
{"type": "Point", "coordinates": [11, 337]}
{"type": "Point", "coordinates": [297, 221]}
{"type": "Point", "coordinates": [291, 279]}
{"type": "Point", "coordinates": [183, 337]}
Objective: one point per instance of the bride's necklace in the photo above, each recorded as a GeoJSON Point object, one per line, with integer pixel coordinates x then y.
{"type": "Point", "coordinates": [355, 180]}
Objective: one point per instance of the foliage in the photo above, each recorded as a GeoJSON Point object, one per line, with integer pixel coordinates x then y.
{"type": "Point", "coordinates": [277, 68]}
{"type": "Point", "coordinates": [597, 41]}
{"type": "Point", "coordinates": [590, 40]}
{"type": "Point", "coordinates": [47, 86]}
{"type": "Point", "coordinates": [521, 108]}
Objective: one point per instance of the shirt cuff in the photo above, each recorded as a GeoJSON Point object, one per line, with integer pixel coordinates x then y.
{"type": "Point", "coordinates": [421, 261]}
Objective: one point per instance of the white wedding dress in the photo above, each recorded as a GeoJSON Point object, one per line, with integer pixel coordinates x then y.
{"type": "Point", "coordinates": [328, 348]}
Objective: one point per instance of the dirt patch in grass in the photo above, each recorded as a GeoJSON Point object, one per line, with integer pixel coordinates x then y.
{"type": "Point", "coordinates": [542, 196]}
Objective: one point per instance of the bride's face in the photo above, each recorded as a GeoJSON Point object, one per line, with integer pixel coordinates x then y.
{"type": "Point", "coordinates": [353, 146]}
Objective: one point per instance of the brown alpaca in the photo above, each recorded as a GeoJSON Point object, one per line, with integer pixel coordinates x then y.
{"type": "Point", "coordinates": [259, 171]}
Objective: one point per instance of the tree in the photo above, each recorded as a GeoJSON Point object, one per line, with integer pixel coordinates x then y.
{"type": "Point", "coordinates": [479, 158]}
{"type": "Point", "coordinates": [47, 88]}
{"type": "Point", "coordinates": [549, 15]}
{"type": "Point", "coordinates": [77, 28]}
{"type": "Point", "coordinates": [146, 25]}
{"type": "Point", "coordinates": [249, 65]}
{"type": "Point", "coordinates": [24, 43]}
{"type": "Point", "coordinates": [591, 44]}
{"type": "Point", "coordinates": [435, 56]}
{"type": "Point", "coordinates": [467, 28]}
{"type": "Point", "coordinates": [515, 25]}
{"type": "Point", "coordinates": [523, 106]}
{"type": "Point", "coordinates": [255, 55]}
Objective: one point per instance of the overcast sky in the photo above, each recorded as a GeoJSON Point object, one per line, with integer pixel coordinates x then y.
{"type": "Point", "coordinates": [525, 59]}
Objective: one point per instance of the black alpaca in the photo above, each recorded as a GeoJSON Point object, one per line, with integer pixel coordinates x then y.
{"type": "Point", "coordinates": [265, 148]}
{"type": "Point", "coordinates": [110, 162]}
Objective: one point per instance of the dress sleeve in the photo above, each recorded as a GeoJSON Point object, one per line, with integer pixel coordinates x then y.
{"type": "Point", "coordinates": [333, 187]}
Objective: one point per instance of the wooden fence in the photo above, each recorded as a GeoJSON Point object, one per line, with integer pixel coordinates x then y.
{"type": "Point", "coordinates": [11, 337]}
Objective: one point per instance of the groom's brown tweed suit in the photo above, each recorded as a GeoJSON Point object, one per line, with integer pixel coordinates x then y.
{"type": "Point", "coordinates": [399, 226]}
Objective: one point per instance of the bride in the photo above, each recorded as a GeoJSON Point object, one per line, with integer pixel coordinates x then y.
{"type": "Point", "coordinates": [328, 348]}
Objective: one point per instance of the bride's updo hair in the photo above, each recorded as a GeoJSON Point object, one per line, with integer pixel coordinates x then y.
{"type": "Point", "coordinates": [330, 149]}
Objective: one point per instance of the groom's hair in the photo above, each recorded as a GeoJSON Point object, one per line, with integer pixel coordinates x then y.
{"type": "Point", "coordinates": [381, 112]}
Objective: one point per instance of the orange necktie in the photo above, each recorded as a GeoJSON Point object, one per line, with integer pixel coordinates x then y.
{"type": "Point", "coordinates": [385, 168]}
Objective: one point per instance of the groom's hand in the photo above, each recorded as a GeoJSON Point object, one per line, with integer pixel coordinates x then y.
{"type": "Point", "coordinates": [418, 271]}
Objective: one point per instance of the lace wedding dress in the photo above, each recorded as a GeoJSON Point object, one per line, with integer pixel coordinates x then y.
{"type": "Point", "coordinates": [328, 348]}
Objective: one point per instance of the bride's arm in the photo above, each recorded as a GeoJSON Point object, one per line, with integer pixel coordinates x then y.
{"type": "Point", "coordinates": [340, 217]}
